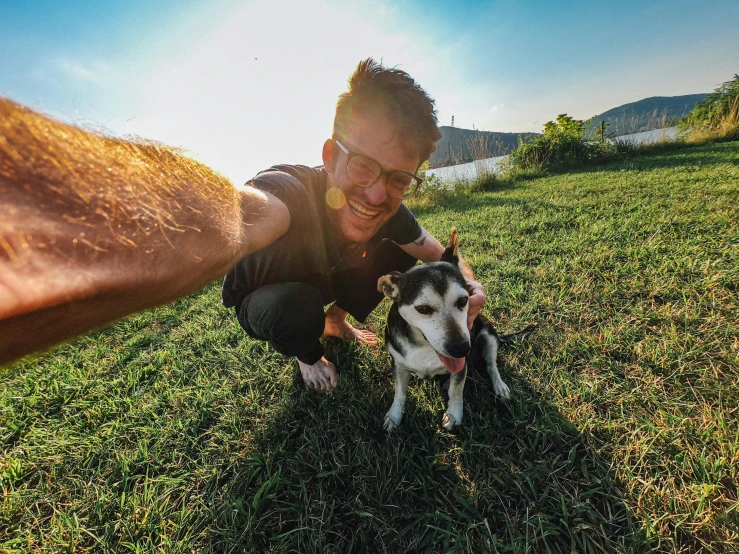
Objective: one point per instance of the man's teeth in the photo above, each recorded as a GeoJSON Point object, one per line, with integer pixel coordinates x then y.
{"type": "Point", "coordinates": [361, 212]}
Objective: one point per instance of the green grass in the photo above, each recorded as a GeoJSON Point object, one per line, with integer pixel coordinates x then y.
{"type": "Point", "coordinates": [171, 431]}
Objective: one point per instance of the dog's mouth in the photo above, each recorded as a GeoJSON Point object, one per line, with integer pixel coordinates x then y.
{"type": "Point", "coordinates": [452, 365]}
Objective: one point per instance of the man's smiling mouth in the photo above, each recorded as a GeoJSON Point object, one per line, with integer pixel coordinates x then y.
{"type": "Point", "coordinates": [363, 212]}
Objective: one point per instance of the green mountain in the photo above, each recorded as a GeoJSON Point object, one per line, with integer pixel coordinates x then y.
{"type": "Point", "coordinates": [464, 145]}
{"type": "Point", "coordinates": [656, 112]}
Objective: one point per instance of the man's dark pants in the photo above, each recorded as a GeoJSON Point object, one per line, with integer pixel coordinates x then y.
{"type": "Point", "coordinates": [290, 315]}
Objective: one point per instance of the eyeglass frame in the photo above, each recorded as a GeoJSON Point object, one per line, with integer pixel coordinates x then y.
{"type": "Point", "coordinates": [350, 154]}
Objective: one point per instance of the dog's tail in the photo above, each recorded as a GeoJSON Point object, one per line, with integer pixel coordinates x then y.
{"type": "Point", "coordinates": [519, 336]}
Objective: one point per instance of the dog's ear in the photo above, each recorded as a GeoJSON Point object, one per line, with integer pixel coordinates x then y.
{"type": "Point", "coordinates": [451, 254]}
{"type": "Point", "coordinates": [389, 285]}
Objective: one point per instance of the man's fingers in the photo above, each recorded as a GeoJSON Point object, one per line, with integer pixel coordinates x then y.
{"type": "Point", "coordinates": [476, 291]}
{"type": "Point", "coordinates": [315, 382]}
{"type": "Point", "coordinates": [477, 301]}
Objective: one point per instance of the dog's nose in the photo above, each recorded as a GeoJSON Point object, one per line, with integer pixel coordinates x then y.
{"type": "Point", "coordinates": [458, 349]}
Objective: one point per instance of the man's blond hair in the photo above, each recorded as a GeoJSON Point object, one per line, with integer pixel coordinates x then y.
{"type": "Point", "coordinates": [377, 90]}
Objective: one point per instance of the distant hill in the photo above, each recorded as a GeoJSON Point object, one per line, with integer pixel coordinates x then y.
{"type": "Point", "coordinates": [656, 112]}
{"type": "Point", "coordinates": [464, 145]}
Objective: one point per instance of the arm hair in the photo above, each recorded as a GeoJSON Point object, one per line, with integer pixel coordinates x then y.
{"type": "Point", "coordinates": [94, 228]}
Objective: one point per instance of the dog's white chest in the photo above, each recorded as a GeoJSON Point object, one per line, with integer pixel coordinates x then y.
{"type": "Point", "coordinates": [421, 360]}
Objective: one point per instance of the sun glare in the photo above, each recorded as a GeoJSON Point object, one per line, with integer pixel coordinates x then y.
{"type": "Point", "coordinates": [260, 88]}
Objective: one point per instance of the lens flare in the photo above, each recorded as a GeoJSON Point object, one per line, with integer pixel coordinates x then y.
{"type": "Point", "coordinates": [335, 198]}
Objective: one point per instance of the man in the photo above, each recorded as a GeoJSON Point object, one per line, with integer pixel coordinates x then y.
{"type": "Point", "coordinates": [94, 228]}
{"type": "Point", "coordinates": [346, 225]}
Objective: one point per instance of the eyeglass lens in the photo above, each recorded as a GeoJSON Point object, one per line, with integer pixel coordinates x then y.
{"type": "Point", "coordinates": [365, 172]}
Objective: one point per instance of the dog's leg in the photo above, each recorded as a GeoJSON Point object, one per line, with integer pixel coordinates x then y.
{"type": "Point", "coordinates": [488, 343]}
{"type": "Point", "coordinates": [395, 414]}
{"type": "Point", "coordinates": [455, 410]}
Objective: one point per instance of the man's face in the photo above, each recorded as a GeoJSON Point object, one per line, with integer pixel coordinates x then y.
{"type": "Point", "coordinates": [357, 213]}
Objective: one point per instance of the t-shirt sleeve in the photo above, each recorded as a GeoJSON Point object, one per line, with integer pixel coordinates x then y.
{"type": "Point", "coordinates": [288, 189]}
{"type": "Point", "coordinates": [403, 227]}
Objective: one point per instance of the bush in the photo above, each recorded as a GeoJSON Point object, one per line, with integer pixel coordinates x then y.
{"type": "Point", "coordinates": [432, 185]}
{"type": "Point", "coordinates": [717, 115]}
{"type": "Point", "coordinates": [562, 145]}
{"type": "Point", "coordinates": [433, 189]}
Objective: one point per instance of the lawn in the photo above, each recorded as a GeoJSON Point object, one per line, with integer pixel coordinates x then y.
{"type": "Point", "coordinates": [171, 431]}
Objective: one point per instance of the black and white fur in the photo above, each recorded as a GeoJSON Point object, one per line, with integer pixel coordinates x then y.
{"type": "Point", "coordinates": [429, 317]}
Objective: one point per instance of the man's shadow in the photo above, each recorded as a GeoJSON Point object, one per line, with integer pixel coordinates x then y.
{"type": "Point", "coordinates": [323, 476]}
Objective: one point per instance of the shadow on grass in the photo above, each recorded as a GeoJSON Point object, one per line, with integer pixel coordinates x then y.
{"type": "Point", "coordinates": [127, 369]}
{"type": "Point", "coordinates": [323, 477]}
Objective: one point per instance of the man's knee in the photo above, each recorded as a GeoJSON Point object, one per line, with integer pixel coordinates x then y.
{"type": "Point", "coordinates": [284, 311]}
{"type": "Point", "coordinates": [301, 311]}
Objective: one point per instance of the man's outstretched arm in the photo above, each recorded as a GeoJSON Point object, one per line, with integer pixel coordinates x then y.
{"type": "Point", "coordinates": [94, 228]}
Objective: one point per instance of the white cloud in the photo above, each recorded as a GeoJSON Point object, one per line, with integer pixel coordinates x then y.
{"type": "Point", "coordinates": [496, 108]}
{"type": "Point", "coordinates": [77, 71]}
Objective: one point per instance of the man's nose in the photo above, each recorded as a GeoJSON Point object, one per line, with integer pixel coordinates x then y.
{"type": "Point", "coordinates": [377, 192]}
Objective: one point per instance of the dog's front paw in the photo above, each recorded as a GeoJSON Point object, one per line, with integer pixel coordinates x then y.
{"type": "Point", "coordinates": [452, 419]}
{"type": "Point", "coordinates": [389, 424]}
{"type": "Point", "coordinates": [501, 389]}
{"type": "Point", "coordinates": [392, 420]}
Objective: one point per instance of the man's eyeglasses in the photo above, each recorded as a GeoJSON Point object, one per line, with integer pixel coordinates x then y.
{"type": "Point", "coordinates": [364, 171]}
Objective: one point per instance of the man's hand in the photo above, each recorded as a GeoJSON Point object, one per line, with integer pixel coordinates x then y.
{"type": "Point", "coordinates": [476, 302]}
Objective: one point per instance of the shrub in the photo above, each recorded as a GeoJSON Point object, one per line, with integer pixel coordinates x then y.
{"type": "Point", "coordinates": [717, 115]}
{"type": "Point", "coordinates": [432, 185]}
{"type": "Point", "coordinates": [562, 145]}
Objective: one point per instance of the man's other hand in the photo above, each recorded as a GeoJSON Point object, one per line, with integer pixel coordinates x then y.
{"type": "Point", "coordinates": [476, 302]}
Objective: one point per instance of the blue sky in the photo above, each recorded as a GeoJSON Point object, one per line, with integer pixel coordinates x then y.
{"type": "Point", "coordinates": [244, 85]}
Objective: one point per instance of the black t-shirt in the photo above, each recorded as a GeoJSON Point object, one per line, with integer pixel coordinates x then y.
{"type": "Point", "coordinates": [307, 252]}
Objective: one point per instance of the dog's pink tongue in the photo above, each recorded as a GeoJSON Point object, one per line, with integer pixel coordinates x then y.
{"type": "Point", "coordinates": [453, 365]}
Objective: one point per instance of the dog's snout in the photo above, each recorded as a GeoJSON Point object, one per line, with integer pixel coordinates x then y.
{"type": "Point", "coordinates": [459, 348]}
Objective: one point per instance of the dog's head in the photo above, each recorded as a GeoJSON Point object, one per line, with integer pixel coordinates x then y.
{"type": "Point", "coordinates": [433, 298]}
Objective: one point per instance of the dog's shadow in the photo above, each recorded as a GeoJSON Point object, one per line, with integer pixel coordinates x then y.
{"type": "Point", "coordinates": [323, 476]}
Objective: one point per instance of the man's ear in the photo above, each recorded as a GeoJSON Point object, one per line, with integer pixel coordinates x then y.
{"type": "Point", "coordinates": [389, 285]}
{"type": "Point", "coordinates": [329, 156]}
{"type": "Point", "coordinates": [451, 253]}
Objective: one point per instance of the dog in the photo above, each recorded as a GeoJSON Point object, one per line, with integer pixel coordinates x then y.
{"type": "Point", "coordinates": [426, 333]}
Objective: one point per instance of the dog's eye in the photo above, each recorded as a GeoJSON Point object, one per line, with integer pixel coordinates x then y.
{"type": "Point", "coordinates": [424, 309]}
{"type": "Point", "coordinates": [462, 302]}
